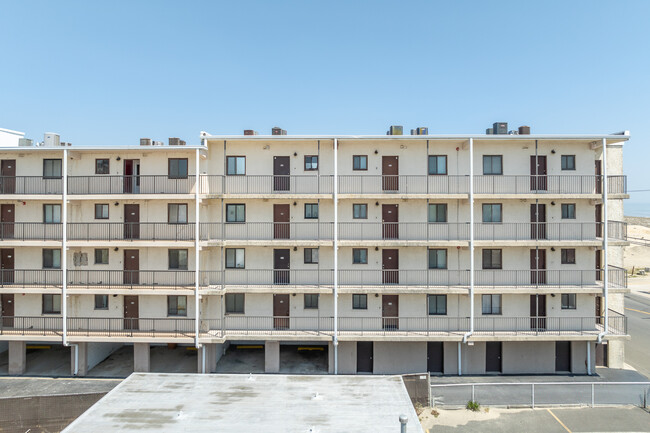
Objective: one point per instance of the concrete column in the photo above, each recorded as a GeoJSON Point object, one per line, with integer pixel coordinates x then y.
{"type": "Point", "coordinates": [272, 357]}
{"type": "Point", "coordinates": [330, 357]}
{"type": "Point", "coordinates": [141, 357]}
{"type": "Point", "coordinates": [17, 357]}
{"type": "Point", "coordinates": [82, 359]}
{"type": "Point", "coordinates": [210, 358]}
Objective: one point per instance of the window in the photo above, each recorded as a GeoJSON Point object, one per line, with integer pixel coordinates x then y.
{"type": "Point", "coordinates": [51, 213]}
{"type": "Point", "coordinates": [52, 168]}
{"type": "Point", "coordinates": [51, 304]}
{"type": "Point", "coordinates": [360, 211]}
{"type": "Point", "coordinates": [437, 259]}
{"type": "Point", "coordinates": [360, 162]}
{"type": "Point", "coordinates": [437, 213]}
{"type": "Point", "coordinates": [102, 166]}
{"type": "Point", "coordinates": [177, 305]}
{"type": "Point", "coordinates": [235, 213]}
{"type": "Point", "coordinates": [437, 305]}
{"type": "Point", "coordinates": [311, 255]}
{"type": "Point", "coordinates": [101, 211]}
{"type": "Point", "coordinates": [569, 211]}
{"type": "Point", "coordinates": [236, 165]}
{"type": "Point", "coordinates": [359, 302]}
{"type": "Point", "coordinates": [311, 301]}
{"type": "Point", "coordinates": [101, 256]}
{"type": "Point", "coordinates": [568, 256]}
{"type": "Point", "coordinates": [234, 303]}
{"type": "Point", "coordinates": [177, 259]}
{"type": "Point", "coordinates": [492, 213]}
{"type": "Point", "coordinates": [177, 213]}
{"type": "Point", "coordinates": [51, 258]}
{"type": "Point", "coordinates": [177, 168]}
{"type": "Point", "coordinates": [491, 304]}
{"type": "Point", "coordinates": [101, 302]}
{"type": "Point", "coordinates": [491, 259]}
{"type": "Point", "coordinates": [568, 301]}
{"type": "Point", "coordinates": [492, 164]}
{"type": "Point", "coordinates": [568, 162]}
{"type": "Point", "coordinates": [311, 210]}
{"type": "Point", "coordinates": [437, 164]}
{"type": "Point", "coordinates": [311, 163]}
{"type": "Point", "coordinates": [360, 256]}
{"type": "Point", "coordinates": [235, 258]}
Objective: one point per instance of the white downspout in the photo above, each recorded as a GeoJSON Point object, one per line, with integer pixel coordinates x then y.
{"type": "Point", "coordinates": [605, 244]}
{"type": "Point", "coordinates": [197, 314]}
{"type": "Point", "coordinates": [335, 341]}
{"type": "Point", "coordinates": [64, 249]}
{"type": "Point", "coordinates": [471, 245]}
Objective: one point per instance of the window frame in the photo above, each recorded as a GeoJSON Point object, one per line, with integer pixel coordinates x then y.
{"type": "Point", "coordinates": [236, 205]}
{"type": "Point", "coordinates": [500, 157]}
{"type": "Point", "coordinates": [102, 250]}
{"type": "Point", "coordinates": [437, 205]}
{"type": "Point", "coordinates": [360, 250]}
{"type": "Point", "coordinates": [360, 206]}
{"type": "Point", "coordinates": [180, 175]}
{"type": "Point", "coordinates": [178, 251]}
{"type": "Point", "coordinates": [359, 158]}
{"type": "Point", "coordinates": [436, 297]}
{"type": "Point", "coordinates": [51, 296]}
{"type": "Point", "coordinates": [310, 252]}
{"type": "Point", "coordinates": [491, 265]}
{"type": "Point", "coordinates": [359, 301]}
{"type": "Point", "coordinates": [178, 207]}
{"type": "Point", "coordinates": [311, 163]}
{"type": "Point", "coordinates": [568, 256]}
{"type": "Point", "coordinates": [566, 301]}
{"type": "Point", "coordinates": [565, 167]}
{"type": "Point", "coordinates": [234, 250]}
{"type": "Point", "coordinates": [52, 258]}
{"type": "Point", "coordinates": [235, 157]}
{"type": "Point", "coordinates": [492, 297]}
{"type": "Point", "coordinates": [51, 161]}
{"type": "Point", "coordinates": [108, 211]}
{"type": "Point", "coordinates": [97, 166]}
{"type": "Point", "coordinates": [311, 207]}
{"type": "Point", "coordinates": [235, 297]}
{"type": "Point", "coordinates": [491, 205]}
{"type": "Point", "coordinates": [310, 305]}
{"type": "Point", "coordinates": [104, 297]}
{"type": "Point", "coordinates": [176, 311]}
{"type": "Point", "coordinates": [51, 206]}
{"type": "Point", "coordinates": [436, 165]}
{"type": "Point", "coordinates": [568, 206]}
{"type": "Point", "coordinates": [431, 250]}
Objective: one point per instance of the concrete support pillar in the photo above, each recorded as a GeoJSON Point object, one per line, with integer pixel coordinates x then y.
{"type": "Point", "coordinates": [330, 357]}
{"type": "Point", "coordinates": [272, 357]}
{"type": "Point", "coordinates": [81, 357]}
{"type": "Point", "coordinates": [141, 357]}
{"type": "Point", "coordinates": [210, 358]}
{"type": "Point", "coordinates": [17, 357]}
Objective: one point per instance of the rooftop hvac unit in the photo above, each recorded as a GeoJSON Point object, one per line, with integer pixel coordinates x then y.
{"type": "Point", "coordinates": [413, 132]}
{"type": "Point", "coordinates": [157, 143]}
{"type": "Point", "coordinates": [489, 131]}
{"type": "Point", "coordinates": [175, 141]}
{"type": "Point", "coordinates": [278, 131]}
{"type": "Point", "coordinates": [422, 130]}
{"type": "Point", "coordinates": [500, 128]}
{"type": "Point", "coordinates": [145, 142]}
{"type": "Point", "coordinates": [524, 130]}
{"type": "Point", "coordinates": [51, 139]}
{"type": "Point", "coordinates": [26, 142]}
{"type": "Point", "coordinates": [250, 132]}
{"type": "Point", "coordinates": [396, 130]}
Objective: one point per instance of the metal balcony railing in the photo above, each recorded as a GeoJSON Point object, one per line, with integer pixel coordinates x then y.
{"type": "Point", "coordinates": [31, 231]}
{"type": "Point", "coordinates": [403, 277]}
{"type": "Point", "coordinates": [119, 279]}
{"type": "Point", "coordinates": [30, 185]}
{"type": "Point", "coordinates": [142, 184]}
{"type": "Point", "coordinates": [249, 231]}
{"type": "Point", "coordinates": [130, 231]}
{"type": "Point", "coordinates": [416, 184]}
{"type": "Point", "coordinates": [278, 277]}
{"type": "Point", "coordinates": [174, 327]}
{"type": "Point", "coordinates": [267, 184]}
{"type": "Point", "coordinates": [31, 278]}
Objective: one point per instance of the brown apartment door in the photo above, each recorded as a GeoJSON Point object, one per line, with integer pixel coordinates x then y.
{"type": "Point", "coordinates": [538, 312]}
{"type": "Point", "coordinates": [599, 177]}
{"type": "Point", "coordinates": [280, 311]}
{"type": "Point", "coordinates": [601, 354]}
{"type": "Point", "coordinates": [599, 220]}
{"type": "Point", "coordinates": [131, 312]}
{"type": "Point", "coordinates": [7, 301]}
{"type": "Point", "coordinates": [364, 356]}
{"type": "Point", "coordinates": [538, 266]}
{"type": "Point", "coordinates": [131, 176]}
{"type": "Point", "coordinates": [8, 176]}
{"type": "Point", "coordinates": [390, 266]}
{"type": "Point", "coordinates": [390, 311]}
{"type": "Point", "coordinates": [390, 218]}
{"type": "Point", "coordinates": [390, 173]}
{"type": "Point", "coordinates": [538, 181]}
{"type": "Point", "coordinates": [281, 266]}
{"type": "Point", "coordinates": [538, 221]}
{"type": "Point", "coordinates": [131, 221]}
{"type": "Point", "coordinates": [599, 266]}
{"type": "Point", "coordinates": [281, 171]}
{"type": "Point", "coordinates": [131, 267]}
{"type": "Point", "coordinates": [562, 356]}
{"type": "Point", "coordinates": [493, 357]}
{"type": "Point", "coordinates": [435, 356]}
{"type": "Point", "coordinates": [599, 310]}
{"type": "Point", "coordinates": [8, 217]}
{"type": "Point", "coordinates": [7, 265]}
{"type": "Point", "coordinates": [281, 214]}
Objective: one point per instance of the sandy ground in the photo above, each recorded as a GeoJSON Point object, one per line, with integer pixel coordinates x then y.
{"type": "Point", "coordinates": [459, 417]}
{"type": "Point", "coordinates": [637, 256]}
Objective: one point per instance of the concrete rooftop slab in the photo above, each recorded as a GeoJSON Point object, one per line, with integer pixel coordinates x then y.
{"type": "Point", "coordinates": [241, 403]}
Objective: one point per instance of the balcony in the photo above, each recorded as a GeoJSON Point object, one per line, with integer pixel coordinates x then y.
{"type": "Point", "coordinates": [270, 278]}
{"type": "Point", "coordinates": [266, 184]}
{"type": "Point", "coordinates": [120, 279]}
{"type": "Point", "coordinates": [130, 231]}
{"type": "Point", "coordinates": [31, 278]}
{"type": "Point", "coordinates": [30, 185]}
{"type": "Point", "coordinates": [142, 184]}
{"type": "Point", "coordinates": [377, 184]}
{"type": "Point", "coordinates": [266, 231]}
{"type": "Point", "coordinates": [31, 231]}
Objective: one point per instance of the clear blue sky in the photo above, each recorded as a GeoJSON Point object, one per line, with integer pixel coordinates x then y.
{"type": "Point", "coordinates": [110, 72]}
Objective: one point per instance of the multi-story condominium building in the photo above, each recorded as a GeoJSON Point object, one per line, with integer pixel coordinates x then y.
{"type": "Point", "coordinates": [454, 254]}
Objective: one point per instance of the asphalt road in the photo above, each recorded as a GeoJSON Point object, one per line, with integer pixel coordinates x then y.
{"type": "Point", "coordinates": [637, 349]}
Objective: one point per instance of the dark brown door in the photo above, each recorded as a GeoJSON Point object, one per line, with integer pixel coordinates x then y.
{"type": "Point", "coordinates": [131, 312]}
{"type": "Point", "coordinates": [390, 311]}
{"type": "Point", "coordinates": [281, 311]}
{"type": "Point", "coordinates": [131, 221]}
{"type": "Point", "coordinates": [390, 266]}
{"type": "Point", "coordinates": [7, 301]}
{"type": "Point", "coordinates": [537, 221]}
{"type": "Point", "coordinates": [8, 217]}
{"type": "Point", "coordinates": [281, 266]}
{"type": "Point", "coordinates": [281, 171]}
{"type": "Point", "coordinates": [562, 356]}
{"type": "Point", "coordinates": [599, 266]}
{"type": "Point", "coordinates": [599, 177]}
{"type": "Point", "coordinates": [599, 220]}
{"type": "Point", "coordinates": [538, 181]}
{"type": "Point", "coordinates": [390, 173]}
{"type": "Point", "coordinates": [130, 176]}
{"type": "Point", "coordinates": [7, 265]}
{"type": "Point", "coordinates": [599, 310]}
{"type": "Point", "coordinates": [8, 176]}
{"type": "Point", "coordinates": [364, 356]}
{"type": "Point", "coordinates": [281, 214]}
{"type": "Point", "coordinates": [131, 267]}
{"type": "Point", "coordinates": [538, 266]}
{"type": "Point", "coordinates": [390, 218]}
{"type": "Point", "coordinates": [538, 312]}
{"type": "Point", "coordinates": [493, 357]}
{"type": "Point", "coordinates": [435, 356]}
{"type": "Point", "coordinates": [601, 354]}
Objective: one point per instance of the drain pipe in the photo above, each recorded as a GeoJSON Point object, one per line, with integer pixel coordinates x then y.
{"type": "Point", "coordinates": [605, 244]}
{"type": "Point", "coordinates": [76, 358]}
{"type": "Point", "coordinates": [471, 246]}
{"type": "Point", "coordinates": [335, 337]}
{"type": "Point", "coordinates": [197, 226]}
{"type": "Point", "coordinates": [64, 248]}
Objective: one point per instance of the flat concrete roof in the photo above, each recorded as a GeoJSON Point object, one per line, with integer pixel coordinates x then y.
{"type": "Point", "coordinates": [249, 403]}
